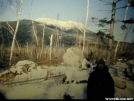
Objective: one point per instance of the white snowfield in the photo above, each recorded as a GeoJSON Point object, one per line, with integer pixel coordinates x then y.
{"type": "Point", "coordinates": [47, 89]}
{"type": "Point", "coordinates": [52, 88]}
{"type": "Point", "coordinates": [63, 25]}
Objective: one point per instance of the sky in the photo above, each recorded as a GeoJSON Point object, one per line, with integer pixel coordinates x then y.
{"type": "Point", "coordinates": [75, 10]}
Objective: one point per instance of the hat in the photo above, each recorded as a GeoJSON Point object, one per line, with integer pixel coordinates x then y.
{"type": "Point", "coordinates": [101, 61]}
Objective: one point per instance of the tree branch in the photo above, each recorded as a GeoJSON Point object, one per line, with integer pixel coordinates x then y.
{"type": "Point", "coordinates": [124, 7]}
{"type": "Point", "coordinates": [118, 1]}
{"type": "Point", "coordinates": [107, 2]}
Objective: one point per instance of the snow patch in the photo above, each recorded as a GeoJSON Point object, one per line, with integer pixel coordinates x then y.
{"type": "Point", "coordinates": [63, 25]}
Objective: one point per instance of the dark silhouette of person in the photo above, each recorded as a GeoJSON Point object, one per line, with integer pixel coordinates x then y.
{"type": "Point", "coordinates": [100, 83]}
{"type": "Point", "coordinates": [2, 97]}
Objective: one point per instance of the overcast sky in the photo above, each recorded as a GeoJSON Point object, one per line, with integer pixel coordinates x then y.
{"type": "Point", "coordinates": [74, 10]}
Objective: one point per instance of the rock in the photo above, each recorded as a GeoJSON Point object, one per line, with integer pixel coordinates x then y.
{"type": "Point", "coordinates": [25, 68]}
{"type": "Point", "coordinates": [25, 65]}
{"type": "Point", "coordinates": [131, 61]}
{"type": "Point", "coordinates": [121, 66]}
{"type": "Point", "coordinates": [119, 84]}
{"type": "Point", "coordinates": [127, 78]}
{"type": "Point", "coordinates": [26, 62]}
{"type": "Point", "coordinates": [84, 64]}
{"type": "Point", "coordinates": [73, 57]}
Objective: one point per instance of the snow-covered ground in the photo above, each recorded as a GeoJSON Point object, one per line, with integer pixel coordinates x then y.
{"type": "Point", "coordinates": [46, 89]}
{"type": "Point", "coordinates": [41, 81]}
{"type": "Point", "coordinates": [52, 88]}
{"type": "Point", "coordinates": [63, 25]}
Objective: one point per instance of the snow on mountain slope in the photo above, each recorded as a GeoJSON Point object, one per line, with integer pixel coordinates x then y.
{"type": "Point", "coordinates": [63, 25]}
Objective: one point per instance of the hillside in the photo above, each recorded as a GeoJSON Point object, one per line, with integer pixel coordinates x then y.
{"type": "Point", "coordinates": [24, 33]}
{"type": "Point", "coordinates": [69, 34]}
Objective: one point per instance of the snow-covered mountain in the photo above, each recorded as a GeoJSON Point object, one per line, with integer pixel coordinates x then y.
{"type": "Point", "coordinates": [63, 25]}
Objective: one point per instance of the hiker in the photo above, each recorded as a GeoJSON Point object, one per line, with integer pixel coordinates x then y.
{"type": "Point", "coordinates": [2, 96]}
{"type": "Point", "coordinates": [100, 83]}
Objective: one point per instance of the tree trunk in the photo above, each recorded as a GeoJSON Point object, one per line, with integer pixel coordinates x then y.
{"type": "Point", "coordinates": [11, 30]}
{"type": "Point", "coordinates": [35, 33]}
{"type": "Point", "coordinates": [57, 40]}
{"type": "Point", "coordinates": [51, 42]}
{"type": "Point", "coordinates": [42, 41]}
{"type": "Point", "coordinates": [14, 35]}
{"type": "Point", "coordinates": [120, 35]}
{"type": "Point", "coordinates": [111, 32]}
{"type": "Point", "coordinates": [85, 27]}
{"type": "Point", "coordinates": [127, 31]}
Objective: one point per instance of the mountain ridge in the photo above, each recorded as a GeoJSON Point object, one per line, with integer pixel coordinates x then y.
{"type": "Point", "coordinates": [24, 33]}
{"type": "Point", "coordinates": [63, 25]}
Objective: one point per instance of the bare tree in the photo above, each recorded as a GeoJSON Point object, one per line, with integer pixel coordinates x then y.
{"type": "Point", "coordinates": [11, 30]}
{"type": "Point", "coordinates": [51, 42]}
{"type": "Point", "coordinates": [57, 40]}
{"type": "Point", "coordinates": [127, 31]}
{"type": "Point", "coordinates": [14, 35]}
{"type": "Point", "coordinates": [42, 40]}
{"type": "Point", "coordinates": [120, 35]}
{"type": "Point", "coordinates": [85, 27]}
{"type": "Point", "coordinates": [111, 32]}
{"type": "Point", "coordinates": [33, 28]}
{"type": "Point", "coordinates": [14, 6]}
{"type": "Point", "coordinates": [102, 23]}
{"type": "Point", "coordinates": [34, 32]}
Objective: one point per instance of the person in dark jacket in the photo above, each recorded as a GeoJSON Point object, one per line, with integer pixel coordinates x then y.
{"type": "Point", "coordinates": [100, 83]}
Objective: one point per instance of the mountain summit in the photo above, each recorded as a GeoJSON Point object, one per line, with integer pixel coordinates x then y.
{"type": "Point", "coordinates": [63, 25]}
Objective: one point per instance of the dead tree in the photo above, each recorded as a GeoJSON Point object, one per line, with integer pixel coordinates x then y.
{"type": "Point", "coordinates": [85, 27]}
{"type": "Point", "coordinates": [120, 35]}
{"type": "Point", "coordinates": [111, 32]}
{"type": "Point", "coordinates": [14, 35]}
{"type": "Point", "coordinates": [51, 42]}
